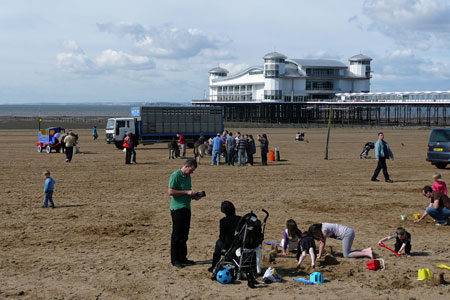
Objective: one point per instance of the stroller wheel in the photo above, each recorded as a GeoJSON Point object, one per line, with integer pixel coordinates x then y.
{"type": "Point", "coordinates": [251, 283]}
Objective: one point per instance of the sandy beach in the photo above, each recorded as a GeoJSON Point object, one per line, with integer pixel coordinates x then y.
{"type": "Point", "coordinates": [109, 237]}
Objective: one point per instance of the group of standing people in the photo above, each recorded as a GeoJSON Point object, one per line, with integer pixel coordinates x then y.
{"type": "Point", "coordinates": [240, 146]}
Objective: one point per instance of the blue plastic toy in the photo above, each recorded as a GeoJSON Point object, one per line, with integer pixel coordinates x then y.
{"type": "Point", "coordinates": [272, 243]}
{"type": "Point", "coordinates": [316, 278]}
{"type": "Point", "coordinates": [224, 276]}
{"type": "Point", "coordinates": [302, 280]}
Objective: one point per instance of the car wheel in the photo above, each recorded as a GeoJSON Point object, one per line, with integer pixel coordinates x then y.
{"type": "Point", "coordinates": [39, 149]}
{"type": "Point", "coordinates": [48, 149]}
{"type": "Point", "coordinates": [441, 165]}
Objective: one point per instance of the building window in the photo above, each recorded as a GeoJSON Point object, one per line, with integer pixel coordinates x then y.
{"type": "Point", "coordinates": [319, 85]}
{"type": "Point", "coordinates": [272, 94]}
{"type": "Point", "coordinates": [272, 74]}
{"type": "Point", "coordinates": [257, 72]}
{"type": "Point", "coordinates": [321, 72]}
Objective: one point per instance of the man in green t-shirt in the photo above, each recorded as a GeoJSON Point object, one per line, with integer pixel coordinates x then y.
{"type": "Point", "coordinates": [181, 193]}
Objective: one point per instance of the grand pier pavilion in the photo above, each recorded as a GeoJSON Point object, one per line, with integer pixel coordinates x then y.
{"type": "Point", "coordinates": [303, 91]}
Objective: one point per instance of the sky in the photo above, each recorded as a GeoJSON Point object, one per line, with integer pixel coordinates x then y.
{"type": "Point", "coordinates": [141, 51]}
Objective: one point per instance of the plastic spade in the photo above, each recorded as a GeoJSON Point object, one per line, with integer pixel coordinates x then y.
{"type": "Point", "coordinates": [384, 246]}
{"type": "Point", "coordinates": [443, 267]}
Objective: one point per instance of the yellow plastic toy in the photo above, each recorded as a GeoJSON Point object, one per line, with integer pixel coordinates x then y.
{"type": "Point", "coordinates": [423, 274]}
{"type": "Point", "coordinates": [443, 267]}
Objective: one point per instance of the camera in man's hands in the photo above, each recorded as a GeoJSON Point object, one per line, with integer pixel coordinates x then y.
{"type": "Point", "coordinates": [200, 194]}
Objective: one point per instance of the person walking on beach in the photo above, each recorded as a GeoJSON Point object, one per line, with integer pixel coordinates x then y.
{"type": "Point", "coordinates": [94, 133]}
{"type": "Point", "coordinates": [69, 141]}
{"type": "Point", "coordinates": [382, 152]}
{"type": "Point", "coordinates": [48, 190]}
{"type": "Point", "coordinates": [181, 194]}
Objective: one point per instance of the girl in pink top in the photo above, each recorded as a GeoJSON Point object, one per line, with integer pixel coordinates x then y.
{"type": "Point", "coordinates": [439, 184]}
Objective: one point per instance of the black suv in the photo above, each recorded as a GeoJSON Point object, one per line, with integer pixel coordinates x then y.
{"type": "Point", "coordinates": [438, 152]}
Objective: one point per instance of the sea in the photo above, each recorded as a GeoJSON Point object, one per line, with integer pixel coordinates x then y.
{"type": "Point", "coordinates": [74, 110]}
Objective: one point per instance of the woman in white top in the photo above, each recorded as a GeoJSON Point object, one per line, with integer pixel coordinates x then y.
{"type": "Point", "coordinates": [322, 231]}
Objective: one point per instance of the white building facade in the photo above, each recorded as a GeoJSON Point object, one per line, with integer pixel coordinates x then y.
{"type": "Point", "coordinates": [290, 80]}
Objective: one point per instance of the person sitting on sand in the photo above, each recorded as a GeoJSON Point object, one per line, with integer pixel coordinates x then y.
{"type": "Point", "coordinates": [227, 229]}
{"type": "Point", "coordinates": [291, 237]}
{"type": "Point", "coordinates": [402, 241]}
{"type": "Point", "coordinates": [323, 231]}
{"type": "Point", "coordinates": [306, 246]}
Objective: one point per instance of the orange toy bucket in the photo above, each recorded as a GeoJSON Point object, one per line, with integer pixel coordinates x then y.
{"type": "Point", "coordinates": [271, 155]}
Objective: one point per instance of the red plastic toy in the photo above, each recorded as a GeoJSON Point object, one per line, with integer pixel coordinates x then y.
{"type": "Point", "coordinates": [384, 246]}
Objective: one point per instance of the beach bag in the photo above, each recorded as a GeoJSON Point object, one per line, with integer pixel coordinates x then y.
{"type": "Point", "coordinates": [125, 144]}
{"type": "Point", "coordinates": [271, 276]}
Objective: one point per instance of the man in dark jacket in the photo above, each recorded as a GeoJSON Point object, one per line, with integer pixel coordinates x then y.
{"type": "Point", "coordinates": [228, 226]}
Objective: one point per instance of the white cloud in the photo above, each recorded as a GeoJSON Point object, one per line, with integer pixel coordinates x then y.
{"type": "Point", "coordinates": [402, 67]}
{"type": "Point", "coordinates": [76, 61]}
{"type": "Point", "coordinates": [167, 41]}
{"type": "Point", "coordinates": [111, 59]}
{"type": "Point", "coordinates": [213, 54]}
{"type": "Point", "coordinates": [418, 23]}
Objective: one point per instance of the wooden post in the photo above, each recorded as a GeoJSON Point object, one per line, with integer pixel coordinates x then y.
{"type": "Point", "coordinates": [328, 135]}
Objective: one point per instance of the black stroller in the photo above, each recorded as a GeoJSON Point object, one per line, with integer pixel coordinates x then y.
{"type": "Point", "coordinates": [242, 257]}
{"type": "Point", "coordinates": [366, 149]}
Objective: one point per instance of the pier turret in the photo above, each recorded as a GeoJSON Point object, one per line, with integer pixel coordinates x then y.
{"type": "Point", "coordinates": [274, 66]}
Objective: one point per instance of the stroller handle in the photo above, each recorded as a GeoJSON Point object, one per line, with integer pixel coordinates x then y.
{"type": "Point", "coordinates": [267, 215]}
{"type": "Point", "coordinates": [265, 219]}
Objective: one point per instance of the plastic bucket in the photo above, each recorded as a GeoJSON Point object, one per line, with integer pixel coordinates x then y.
{"type": "Point", "coordinates": [271, 155]}
{"type": "Point", "coordinates": [375, 264]}
{"type": "Point", "coordinates": [423, 274]}
{"type": "Point", "coordinates": [316, 278]}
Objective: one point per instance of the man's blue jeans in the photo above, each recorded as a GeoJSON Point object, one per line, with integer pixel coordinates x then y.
{"type": "Point", "coordinates": [440, 214]}
{"type": "Point", "coordinates": [230, 157]}
{"type": "Point", "coordinates": [215, 156]}
{"type": "Point", "coordinates": [241, 157]}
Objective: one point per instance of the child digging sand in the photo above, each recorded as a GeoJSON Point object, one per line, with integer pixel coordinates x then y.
{"type": "Point", "coordinates": [48, 190]}
{"type": "Point", "coordinates": [291, 237]}
{"type": "Point", "coordinates": [306, 246]}
{"type": "Point", "coordinates": [402, 241]}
